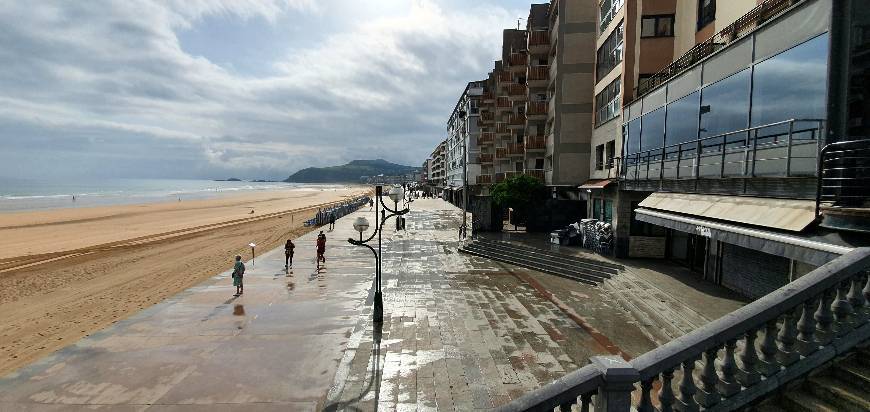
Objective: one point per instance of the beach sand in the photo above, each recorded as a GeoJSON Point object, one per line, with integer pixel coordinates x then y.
{"type": "Point", "coordinates": [67, 273]}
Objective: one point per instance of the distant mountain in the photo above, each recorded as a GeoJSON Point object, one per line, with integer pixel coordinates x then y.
{"type": "Point", "coordinates": [349, 173]}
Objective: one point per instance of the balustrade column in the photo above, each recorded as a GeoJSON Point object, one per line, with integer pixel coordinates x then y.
{"type": "Point", "coordinates": [856, 299]}
{"type": "Point", "coordinates": [825, 318]}
{"type": "Point", "coordinates": [786, 339]}
{"type": "Point", "coordinates": [769, 365]}
{"type": "Point", "coordinates": [645, 397]}
{"type": "Point", "coordinates": [666, 393]}
{"type": "Point", "coordinates": [709, 394]}
{"type": "Point", "coordinates": [688, 388]}
{"type": "Point", "coordinates": [585, 402]}
{"type": "Point", "coordinates": [807, 327]}
{"type": "Point", "coordinates": [748, 374]}
{"type": "Point", "coordinates": [842, 309]}
{"type": "Point", "coordinates": [867, 291]}
{"type": "Point", "coordinates": [728, 384]}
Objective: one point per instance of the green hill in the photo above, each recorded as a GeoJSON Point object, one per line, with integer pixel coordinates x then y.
{"type": "Point", "coordinates": [349, 173]}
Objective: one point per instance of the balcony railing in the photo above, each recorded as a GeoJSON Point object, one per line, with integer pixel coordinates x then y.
{"type": "Point", "coordinates": [505, 77]}
{"type": "Point", "coordinates": [539, 38]}
{"type": "Point", "coordinates": [486, 137]}
{"type": "Point", "coordinates": [518, 59]}
{"type": "Point", "coordinates": [510, 174]}
{"type": "Point", "coordinates": [745, 24]}
{"type": "Point", "coordinates": [487, 117]}
{"type": "Point", "coordinates": [499, 177]}
{"type": "Point", "coordinates": [501, 153]}
{"type": "Point", "coordinates": [777, 338]}
{"type": "Point", "coordinates": [516, 89]}
{"type": "Point", "coordinates": [486, 96]}
{"type": "Point", "coordinates": [501, 128]}
{"type": "Point", "coordinates": [783, 149]}
{"type": "Point", "coordinates": [536, 109]}
{"type": "Point", "coordinates": [485, 157]}
{"type": "Point", "coordinates": [538, 73]}
{"type": "Point", "coordinates": [536, 142]}
{"type": "Point", "coordinates": [516, 149]}
{"type": "Point", "coordinates": [516, 119]}
{"type": "Point", "coordinates": [484, 179]}
{"type": "Point", "coordinates": [536, 173]}
{"type": "Point", "coordinates": [503, 103]}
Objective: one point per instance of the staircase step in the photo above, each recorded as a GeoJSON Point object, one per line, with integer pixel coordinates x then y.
{"type": "Point", "coordinates": [597, 263]}
{"type": "Point", "coordinates": [590, 280]}
{"type": "Point", "coordinates": [839, 393]}
{"type": "Point", "coordinates": [854, 373]}
{"type": "Point", "coordinates": [538, 260]}
{"type": "Point", "coordinates": [805, 402]}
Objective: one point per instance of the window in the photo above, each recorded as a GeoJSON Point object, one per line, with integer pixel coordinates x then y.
{"type": "Point", "coordinates": [725, 108]}
{"type": "Point", "coordinates": [610, 53]}
{"type": "Point", "coordinates": [607, 103]}
{"type": "Point", "coordinates": [706, 12]}
{"type": "Point", "coordinates": [607, 215]}
{"type": "Point", "coordinates": [653, 131]}
{"type": "Point", "coordinates": [632, 141]}
{"type": "Point", "coordinates": [596, 208]}
{"type": "Point", "coordinates": [682, 122]}
{"type": "Point", "coordinates": [657, 26]}
{"type": "Point", "coordinates": [610, 153]}
{"type": "Point", "coordinates": [599, 157]}
{"type": "Point", "coordinates": [607, 11]}
{"type": "Point", "coordinates": [539, 163]}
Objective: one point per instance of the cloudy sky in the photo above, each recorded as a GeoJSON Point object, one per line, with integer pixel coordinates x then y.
{"type": "Point", "coordinates": [244, 88]}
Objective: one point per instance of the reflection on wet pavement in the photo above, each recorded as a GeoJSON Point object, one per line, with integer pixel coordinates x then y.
{"type": "Point", "coordinates": [459, 333]}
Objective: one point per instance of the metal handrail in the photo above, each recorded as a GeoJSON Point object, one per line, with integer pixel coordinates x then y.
{"type": "Point", "coordinates": [751, 139]}
{"type": "Point", "coordinates": [844, 174]}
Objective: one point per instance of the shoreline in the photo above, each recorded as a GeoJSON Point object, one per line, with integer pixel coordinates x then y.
{"type": "Point", "coordinates": [57, 302]}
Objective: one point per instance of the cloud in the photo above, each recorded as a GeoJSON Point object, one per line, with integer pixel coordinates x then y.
{"type": "Point", "coordinates": [379, 87]}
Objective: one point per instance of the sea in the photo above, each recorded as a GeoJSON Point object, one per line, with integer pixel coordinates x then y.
{"type": "Point", "coordinates": [34, 194]}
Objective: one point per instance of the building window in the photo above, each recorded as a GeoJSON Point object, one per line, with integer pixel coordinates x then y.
{"type": "Point", "coordinates": [607, 103]}
{"type": "Point", "coordinates": [657, 26]}
{"type": "Point", "coordinates": [607, 11]}
{"type": "Point", "coordinates": [599, 157]}
{"type": "Point", "coordinates": [539, 163]}
{"type": "Point", "coordinates": [609, 55]}
{"type": "Point", "coordinates": [610, 153]}
{"type": "Point", "coordinates": [706, 12]}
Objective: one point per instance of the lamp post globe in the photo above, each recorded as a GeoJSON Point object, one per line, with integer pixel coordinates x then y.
{"type": "Point", "coordinates": [361, 224]}
{"type": "Point", "coordinates": [396, 194]}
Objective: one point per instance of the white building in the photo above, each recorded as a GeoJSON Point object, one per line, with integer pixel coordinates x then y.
{"type": "Point", "coordinates": [462, 148]}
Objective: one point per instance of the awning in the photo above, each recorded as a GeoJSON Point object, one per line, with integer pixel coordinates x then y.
{"type": "Point", "coordinates": [596, 184]}
{"type": "Point", "coordinates": [782, 214]}
{"type": "Point", "coordinates": [799, 248]}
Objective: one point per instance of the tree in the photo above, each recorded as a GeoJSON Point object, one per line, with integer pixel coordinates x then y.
{"type": "Point", "coordinates": [521, 193]}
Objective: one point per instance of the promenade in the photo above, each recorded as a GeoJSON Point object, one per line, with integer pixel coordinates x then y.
{"type": "Point", "coordinates": [460, 333]}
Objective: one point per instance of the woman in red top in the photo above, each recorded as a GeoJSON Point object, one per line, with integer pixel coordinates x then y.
{"type": "Point", "coordinates": [321, 248]}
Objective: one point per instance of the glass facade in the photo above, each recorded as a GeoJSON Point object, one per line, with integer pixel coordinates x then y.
{"type": "Point", "coordinates": [609, 55]}
{"type": "Point", "coordinates": [764, 96]}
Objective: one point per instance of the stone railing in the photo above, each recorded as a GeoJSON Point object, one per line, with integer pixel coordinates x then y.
{"type": "Point", "coordinates": [741, 356]}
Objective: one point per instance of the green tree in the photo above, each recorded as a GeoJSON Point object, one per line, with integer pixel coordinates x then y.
{"type": "Point", "coordinates": [522, 193]}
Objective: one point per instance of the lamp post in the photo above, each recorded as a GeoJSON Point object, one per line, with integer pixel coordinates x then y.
{"type": "Point", "coordinates": [361, 224]}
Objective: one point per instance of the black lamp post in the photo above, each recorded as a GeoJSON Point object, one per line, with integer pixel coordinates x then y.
{"type": "Point", "coordinates": [361, 224]}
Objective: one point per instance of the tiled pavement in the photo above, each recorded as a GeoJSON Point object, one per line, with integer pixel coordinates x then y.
{"type": "Point", "coordinates": [460, 333]}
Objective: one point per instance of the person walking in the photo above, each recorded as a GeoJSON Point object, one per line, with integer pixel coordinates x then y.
{"type": "Point", "coordinates": [371, 204]}
{"type": "Point", "coordinates": [331, 221]}
{"type": "Point", "coordinates": [321, 249]}
{"type": "Point", "coordinates": [288, 253]}
{"type": "Point", "coordinates": [238, 274]}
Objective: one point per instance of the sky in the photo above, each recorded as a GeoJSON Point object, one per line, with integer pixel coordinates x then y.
{"type": "Point", "coordinates": [234, 88]}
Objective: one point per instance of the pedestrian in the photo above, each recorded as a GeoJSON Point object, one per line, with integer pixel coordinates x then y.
{"type": "Point", "coordinates": [371, 204]}
{"type": "Point", "coordinates": [238, 273]}
{"type": "Point", "coordinates": [331, 220]}
{"type": "Point", "coordinates": [321, 249]}
{"type": "Point", "coordinates": [288, 253]}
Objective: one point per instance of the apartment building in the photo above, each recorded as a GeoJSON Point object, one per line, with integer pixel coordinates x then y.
{"type": "Point", "coordinates": [462, 147]}
{"type": "Point", "coordinates": [744, 154]}
{"type": "Point", "coordinates": [438, 174]}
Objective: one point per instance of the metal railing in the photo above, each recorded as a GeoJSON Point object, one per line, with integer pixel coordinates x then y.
{"type": "Point", "coordinates": [844, 174]}
{"type": "Point", "coordinates": [782, 149]}
{"type": "Point", "coordinates": [745, 24]}
{"type": "Point", "coordinates": [802, 326]}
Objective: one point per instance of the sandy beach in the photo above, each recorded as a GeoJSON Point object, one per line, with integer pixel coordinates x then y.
{"type": "Point", "coordinates": [69, 272]}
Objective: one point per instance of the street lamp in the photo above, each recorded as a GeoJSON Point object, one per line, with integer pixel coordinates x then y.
{"type": "Point", "coordinates": [361, 224]}
{"type": "Point", "coordinates": [397, 193]}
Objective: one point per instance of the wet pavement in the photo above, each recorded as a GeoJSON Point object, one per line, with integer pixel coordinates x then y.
{"type": "Point", "coordinates": [459, 333]}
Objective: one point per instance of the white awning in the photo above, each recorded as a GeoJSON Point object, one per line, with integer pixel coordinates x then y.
{"type": "Point", "coordinates": [782, 214]}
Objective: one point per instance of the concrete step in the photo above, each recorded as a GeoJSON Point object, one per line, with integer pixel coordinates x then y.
{"type": "Point", "coordinates": [539, 259]}
{"type": "Point", "coordinates": [855, 373]}
{"type": "Point", "coordinates": [580, 277]}
{"type": "Point", "coordinates": [836, 392]}
{"type": "Point", "coordinates": [590, 263]}
{"type": "Point", "coordinates": [799, 401]}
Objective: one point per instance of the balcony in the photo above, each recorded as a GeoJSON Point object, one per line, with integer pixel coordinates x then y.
{"type": "Point", "coordinates": [516, 149]}
{"type": "Point", "coordinates": [487, 97]}
{"type": "Point", "coordinates": [484, 179]}
{"type": "Point", "coordinates": [485, 158]}
{"type": "Point", "coordinates": [536, 173]}
{"type": "Point", "coordinates": [486, 118]}
{"type": "Point", "coordinates": [539, 42]}
{"type": "Point", "coordinates": [517, 62]}
{"type": "Point", "coordinates": [501, 128]}
{"type": "Point", "coordinates": [536, 110]}
{"type": "Point", "coordinates": [764, 12]}
{"type": "Point", "coordinates": [503, 104]}
{"type": "Point", "coordinates": [505, 78]}
{"type": "Point", "coordinates": [518, 92]}
{"type": "Point", "coordinates": [499, 177]}
{"type": "Point", "coordinates": [501, 153]}
{"type": "Point", "coordinates": [537, 76]}
{"type": "Point", "coordinates": [510, 174]}
{"type": "Point", "coordinates": [516, 121]}
{"type": "Point", "coordinates": [535, 143]}
{"type": "Point", "coordinates": [486, 138]}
